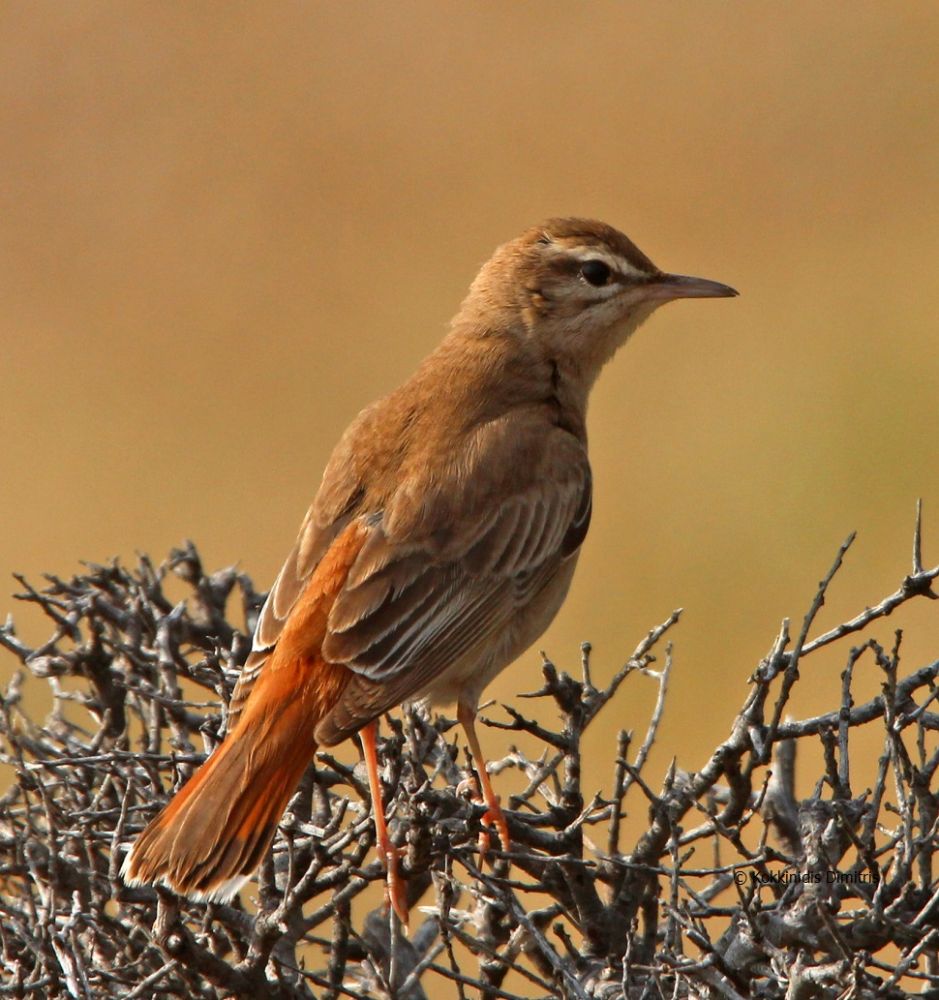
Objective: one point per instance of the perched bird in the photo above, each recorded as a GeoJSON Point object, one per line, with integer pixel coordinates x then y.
{"type": "Point", "coordinates": [440, 545]}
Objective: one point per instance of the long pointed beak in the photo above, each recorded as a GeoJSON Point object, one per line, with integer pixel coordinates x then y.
{"type": "Point", "coordinates": [666, 287]}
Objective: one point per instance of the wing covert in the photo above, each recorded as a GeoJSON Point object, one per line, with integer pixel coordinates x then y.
{"type": "Point", "coordinates": [451, 555]}
{"type": "Point", "coordinates": [409, 607]}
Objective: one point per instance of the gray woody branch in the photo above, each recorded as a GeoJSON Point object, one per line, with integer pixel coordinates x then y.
{"type": "Point", "coordinates": [736, 888]}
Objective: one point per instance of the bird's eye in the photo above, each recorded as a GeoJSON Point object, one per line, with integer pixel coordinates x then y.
{"type": "Point", "coordinates": [595, 272]}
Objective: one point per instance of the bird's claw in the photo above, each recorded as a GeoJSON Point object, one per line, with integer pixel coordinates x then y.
{"type": "Point", "coordinates": [493, 816]}
{"type": "Point", "coordinates": [396, 890]}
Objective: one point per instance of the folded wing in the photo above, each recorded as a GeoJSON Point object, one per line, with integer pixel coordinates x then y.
{"type": "Point", "coordinates": [442, 567]}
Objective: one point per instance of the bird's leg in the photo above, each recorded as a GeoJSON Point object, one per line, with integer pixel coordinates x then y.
{"type": "Point", "coordinates": [395, 889]}
{"type": "Point", "coordinates": [466, 714]}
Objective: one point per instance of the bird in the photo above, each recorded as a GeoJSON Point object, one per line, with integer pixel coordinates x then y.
{"type": "Point", "coordinates": [440, 545]}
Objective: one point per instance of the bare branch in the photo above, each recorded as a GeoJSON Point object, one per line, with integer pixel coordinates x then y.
{"type": "Point", "coordinates": [834, 892]}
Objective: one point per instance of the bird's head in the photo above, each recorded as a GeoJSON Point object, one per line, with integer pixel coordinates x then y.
{"type": "Point", "coordinates": [578, 288]}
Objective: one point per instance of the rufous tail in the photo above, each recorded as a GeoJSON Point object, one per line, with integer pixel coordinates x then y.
{"type": "Point", "coordinates": [211, 837]}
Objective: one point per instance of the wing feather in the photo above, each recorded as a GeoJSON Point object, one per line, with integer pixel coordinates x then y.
{"type": "Point", "coordinates": [312, 543]}
{"type": "Point", "coordinates": [462, 594]}
{"type": "Point", "coordinates": [451, 556]}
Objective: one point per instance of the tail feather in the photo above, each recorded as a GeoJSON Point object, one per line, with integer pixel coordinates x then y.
{"type": "Point", "coordinates": [212, 835]}
{"type": "Point", "coordinates": [210, 838]}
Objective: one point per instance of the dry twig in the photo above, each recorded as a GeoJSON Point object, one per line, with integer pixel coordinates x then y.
{"type": "Point", "coordinates": [827, 888]}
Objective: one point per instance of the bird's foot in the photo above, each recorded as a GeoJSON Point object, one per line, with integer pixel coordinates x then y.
{"type": "Point", "coordinates": [396, 890]}
{"type": "Point", "coordinates": [493, 817]}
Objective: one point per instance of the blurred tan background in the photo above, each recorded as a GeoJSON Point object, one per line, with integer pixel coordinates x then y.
{"type": "Point", "coordinates": [225, 229]}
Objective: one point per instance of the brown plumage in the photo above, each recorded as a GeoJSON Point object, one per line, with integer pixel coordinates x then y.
{"type": "Point", "coordinates": [440, 545]}
{"type": "Point", "coordinates": [214, 832]}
